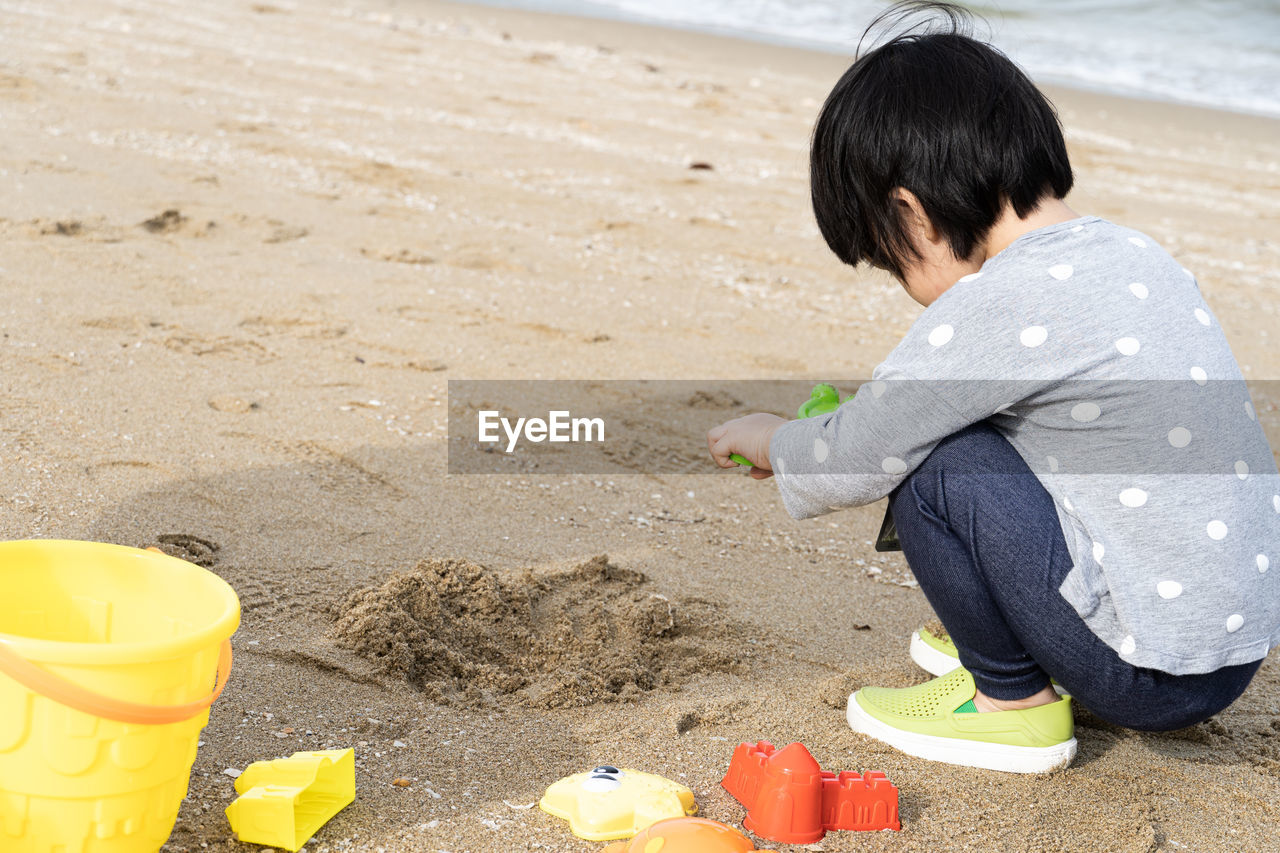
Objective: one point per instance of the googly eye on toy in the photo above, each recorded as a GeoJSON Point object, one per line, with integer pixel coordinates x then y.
{"type": "Point", "coordinates": [601, 782]}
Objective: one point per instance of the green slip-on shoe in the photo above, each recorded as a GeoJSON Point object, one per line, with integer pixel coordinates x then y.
{"type": "Point", "coordinates": [934, 654]}
{"type": "Point", "coordinates": [936, 720]}
{"type": "Point", "coordinates": [937, 655]}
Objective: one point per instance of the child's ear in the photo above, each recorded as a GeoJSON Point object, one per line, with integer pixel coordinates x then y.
{"type": "Point", "coordinates": [913, 215]}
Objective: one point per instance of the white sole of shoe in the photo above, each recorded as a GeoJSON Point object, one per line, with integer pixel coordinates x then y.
{"type": "Point", "coordinates": [939, 663]}
{"type": "Point", "coordinates": [988, 756]}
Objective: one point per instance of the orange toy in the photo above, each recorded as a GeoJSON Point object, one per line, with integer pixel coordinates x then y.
{"type": "Point", "coordinates": [686, 835]}
{"type": "Point", "coordinates": [789, 798]}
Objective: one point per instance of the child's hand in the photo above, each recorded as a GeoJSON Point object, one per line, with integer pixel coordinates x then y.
{"type": "Point", "coordinates": [749, 436]}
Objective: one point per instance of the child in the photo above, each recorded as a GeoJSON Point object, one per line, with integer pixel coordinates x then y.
{"type": "Point", "coordinates": [1074, 466]}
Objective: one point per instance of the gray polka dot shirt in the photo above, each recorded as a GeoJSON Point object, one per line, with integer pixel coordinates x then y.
{"type": "Point", "coordinates": [1093, 352]}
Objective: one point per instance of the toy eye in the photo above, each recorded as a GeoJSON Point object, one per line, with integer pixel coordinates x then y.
{"type": "Point", "coordinates": [606, 769]}
{"type": "Point", "coordinates": [601, 783]}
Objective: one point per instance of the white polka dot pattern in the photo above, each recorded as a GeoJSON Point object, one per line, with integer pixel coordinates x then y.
{"type": "Point", "coordinates": [1061, 272]}
{"type": "Point", "coordinates": [1169, 589]}
{"type": "Point", "coordinates": [1242, 469]}
{"type": "Point", "coordinates": [1179, 436]}
{"type": "Point", "coordinates": [1137, 242]}
{"type": "Point", "coordinates": [1128, 346]}
{"type": "Point", "coordinates": [1053, 463]}
{"type": "Point", "coordinates": [1099, 551]}
{"type": "Point", "coordinates": [1133, 498]}
{"type": "Point", "coordinates": [893, 465]}
{"type": "Point", "coordinates": [1127, 646]}
{"type": "Point", "coordinates": [941, 335]}
{"type": "Point", "coordinates": [1198, 374]}
{"type": "Point", "coordinates": [1033, 336]}
{"type": "Point", "coordinates": [971, 276]}
{"type": "Point", "coordinates": [1085, 412]}
{"type": "Point", "coordinates": [1217, 530]}
{"type": "Point", "coordinates": [1139, 290]}
{"type": "Point", "coordinates": [1234, 623]}
{"type": "Point", "coordinates": [820, 451]}
{"type": "Point", "coordinates": [1263, 562]}
{"type": "Point", "coordinates": [1202, 317]}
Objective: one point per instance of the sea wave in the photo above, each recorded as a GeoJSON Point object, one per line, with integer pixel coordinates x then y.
{"type": "Point", "coordinates": [1218, 53]}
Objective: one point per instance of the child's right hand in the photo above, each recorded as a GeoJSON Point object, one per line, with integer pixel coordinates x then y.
{"type": "Point", "coordinates": [749, 436]}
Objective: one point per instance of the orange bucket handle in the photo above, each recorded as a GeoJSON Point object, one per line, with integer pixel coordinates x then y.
{"type": "Point", "coordinates": [60, 690]}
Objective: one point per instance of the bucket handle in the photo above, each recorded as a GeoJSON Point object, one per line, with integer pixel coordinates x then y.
{"type": "Point", "coordinates": [74, 696]}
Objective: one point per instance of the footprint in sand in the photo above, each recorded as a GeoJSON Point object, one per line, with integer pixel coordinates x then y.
{"type": "Point", "coordinates": [399, 256]}
{"type": "Point", "coordinates": [64, 228]}
{"type": "Point", "coordinates": [162, 223]}
{"type": "Point", "coordinates": [200, 345]}
{"type": "Point", "coordinates": [95, 230]}
{"type": "Point", "coordinates": [285, 233]}
{"type": "Point", "coordinates": [193, 549]}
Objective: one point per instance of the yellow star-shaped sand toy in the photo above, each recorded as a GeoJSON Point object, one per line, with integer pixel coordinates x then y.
{"type": "Point", "coordinates": [608, 803]}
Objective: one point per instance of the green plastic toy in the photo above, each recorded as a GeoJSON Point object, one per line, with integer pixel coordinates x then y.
{"type": "Point", "coordinates": [823, 399]}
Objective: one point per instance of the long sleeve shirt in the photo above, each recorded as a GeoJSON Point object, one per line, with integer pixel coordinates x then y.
{"type": "Point", "coordinates": [1092, 351]}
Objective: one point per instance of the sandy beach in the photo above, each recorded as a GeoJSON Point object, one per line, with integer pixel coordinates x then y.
{"type": "Point", "coordinates": [248, 244]}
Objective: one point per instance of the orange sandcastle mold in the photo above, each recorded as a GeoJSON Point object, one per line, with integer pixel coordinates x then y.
{"type": "Point", "coordinates": [789, 798]}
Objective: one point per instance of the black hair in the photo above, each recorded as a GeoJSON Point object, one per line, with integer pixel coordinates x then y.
{"type": "Point", "coordinates": [944, 115]}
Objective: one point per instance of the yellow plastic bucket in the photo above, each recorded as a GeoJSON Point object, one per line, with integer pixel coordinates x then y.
{"type": "Point", "coordinates": [109, 660]}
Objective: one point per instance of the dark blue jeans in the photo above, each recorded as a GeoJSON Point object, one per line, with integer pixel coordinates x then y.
{"type": "Point", "coordinates": [982, 537]}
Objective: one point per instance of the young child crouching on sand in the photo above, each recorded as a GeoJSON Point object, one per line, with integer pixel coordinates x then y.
{"type": "Point", "coordinates": [1071, 457]}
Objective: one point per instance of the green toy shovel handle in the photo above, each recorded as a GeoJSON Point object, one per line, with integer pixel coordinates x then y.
{"type": "Point", "coordinates": [823, 399]}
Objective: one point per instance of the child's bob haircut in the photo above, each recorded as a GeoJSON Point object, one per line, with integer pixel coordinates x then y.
{"type": "Point", "coordinates": [936, 112]}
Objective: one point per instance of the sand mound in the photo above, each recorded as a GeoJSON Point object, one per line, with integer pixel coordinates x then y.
{"type": "Point", "coordinates": [467, 635]}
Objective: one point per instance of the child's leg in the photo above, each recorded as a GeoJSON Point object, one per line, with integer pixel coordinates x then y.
{"type": "Point", "coordinates": [982, 537]}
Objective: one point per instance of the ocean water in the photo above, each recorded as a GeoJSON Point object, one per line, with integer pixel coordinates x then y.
{"type": "Point", "coordinates": [1219, 53]}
